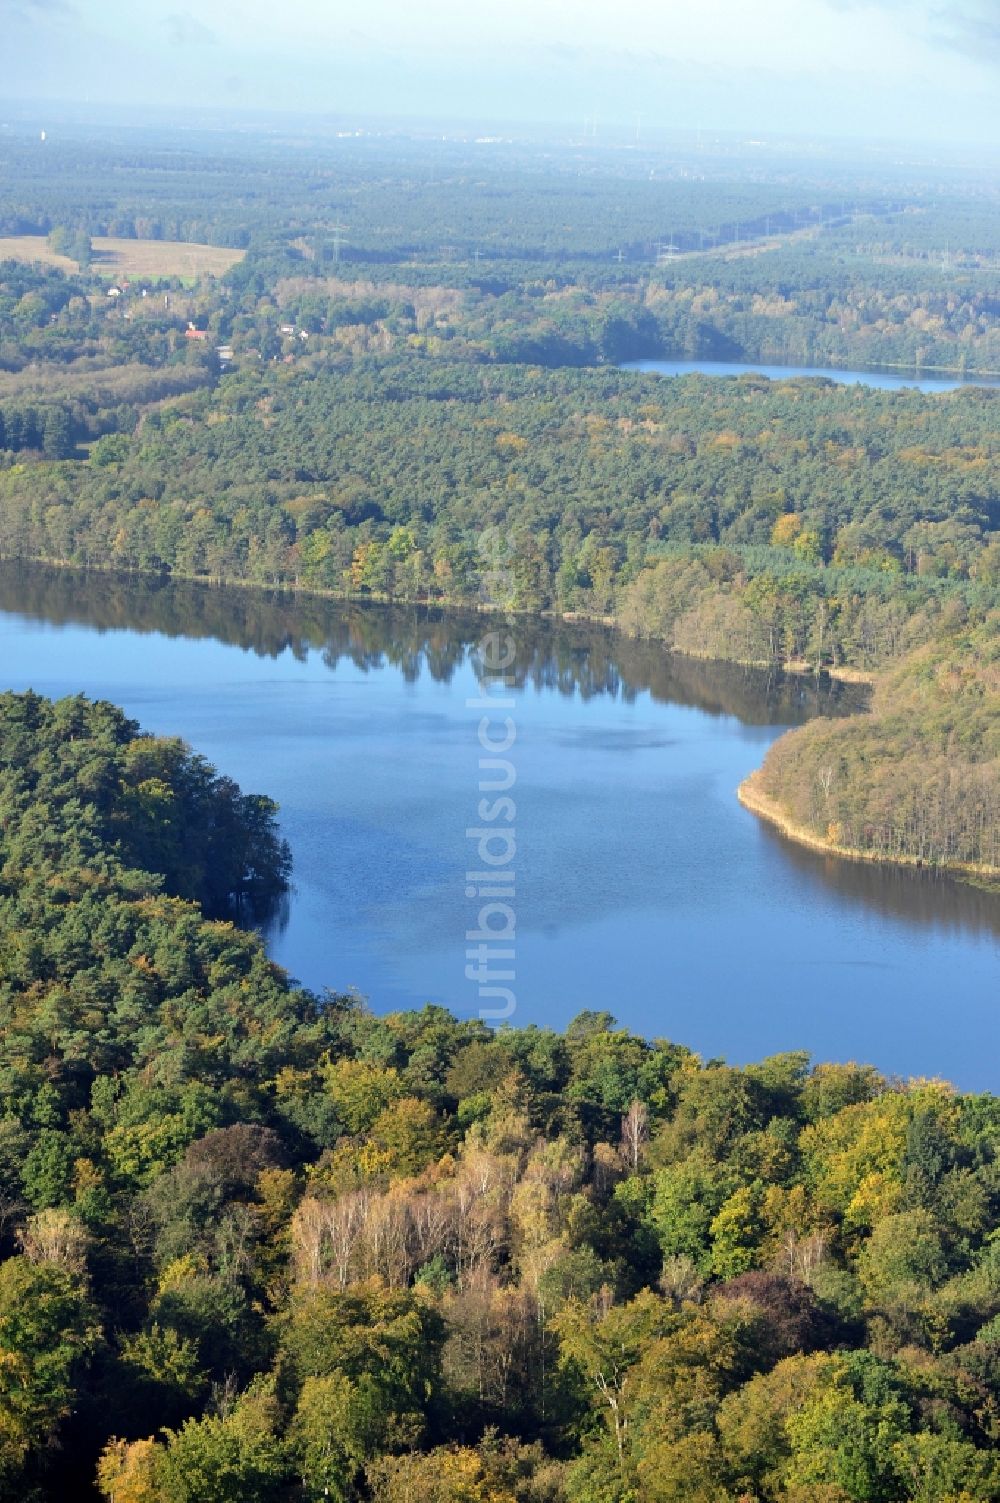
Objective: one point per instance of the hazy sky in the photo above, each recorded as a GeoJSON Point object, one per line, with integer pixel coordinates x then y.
{"type": "Point", "coordinates": [906, 68]}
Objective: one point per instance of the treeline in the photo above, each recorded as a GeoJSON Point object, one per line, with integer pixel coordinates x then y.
{"type": "Point", "coordinates": [75, 244]}
{"type": "Point", "coordinates": [442, 199]}
{"type": "Point", "coordinates": [806, 305]}
{"type": "Point", "coordinates": [576, 657]}
{"type": "Point", "coordinates": [49, 430]}
{"type": "Point", "coordinates": [256, 1247]}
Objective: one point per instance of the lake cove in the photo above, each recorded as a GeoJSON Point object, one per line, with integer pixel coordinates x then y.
{"type": "Point", "coordinates": [642, 886]}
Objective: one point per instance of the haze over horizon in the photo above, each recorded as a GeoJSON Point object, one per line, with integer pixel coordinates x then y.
{"type": "Point", "coordinates": [833, 67]}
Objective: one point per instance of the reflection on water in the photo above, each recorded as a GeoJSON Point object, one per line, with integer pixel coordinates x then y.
{"type": "Point", "coordinates": [898, 892]}
{"type": "Point", "coordinates": [642, 885]}
{"type": "Point", "coordinates": [565, 657]}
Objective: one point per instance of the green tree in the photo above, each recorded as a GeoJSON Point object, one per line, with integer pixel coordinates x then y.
{"type": "Point", "coordinates": [328, 1437]}
{"type": "Point", "coordinates": [57, 434]}
{"type": "Point", "coordinates": [47, 1332]}
{"type": "Point", "coordinates": [230, 1458]}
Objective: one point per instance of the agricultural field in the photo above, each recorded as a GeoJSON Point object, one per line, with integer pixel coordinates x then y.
{"type": "Point", "coordinates": [115, 256]}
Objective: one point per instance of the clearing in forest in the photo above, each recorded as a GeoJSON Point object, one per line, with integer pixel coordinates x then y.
{"type": "Point", "coordinates": [117, 257]}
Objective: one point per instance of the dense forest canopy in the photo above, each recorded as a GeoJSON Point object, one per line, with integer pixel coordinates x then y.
{"type": "Point", "coordinates": [864, 496]}
{"type": "Point", "coordinates": [403, 194]}
{"type": "Point", "coordinates": [260, 1246]}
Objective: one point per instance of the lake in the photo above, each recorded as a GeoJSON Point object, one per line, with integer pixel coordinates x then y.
{"type": "Point", "coordinates": [642, 886]}
{"type": "Point", "coordinates": [881, 380]}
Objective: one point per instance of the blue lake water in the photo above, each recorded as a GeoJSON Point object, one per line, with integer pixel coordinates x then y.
{"type": "Point", "coordinates": [642, 885]}
{"type": "Point", "coordinates": [881, 380]}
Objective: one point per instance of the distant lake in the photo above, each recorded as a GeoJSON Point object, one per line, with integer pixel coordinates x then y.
{"type": "Point", "coordinates": [881, 380]}
{"type": "Point", "coordinates": [642, 885]}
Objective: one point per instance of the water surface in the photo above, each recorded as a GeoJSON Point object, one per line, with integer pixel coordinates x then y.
{"type": "Point", "coordinates": [642, 885]}
{"type": "Point", "coordinates": [881, 380]}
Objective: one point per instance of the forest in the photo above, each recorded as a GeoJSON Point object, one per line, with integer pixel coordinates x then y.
{"type": "Point", "coordinates": [789, 522]}
{"type": "Point", "coordinates": [261, 1245]}
{"type": "Point", "coordinates": [882, 499]}
{"type": "Point", "coordinates": [424, 340]}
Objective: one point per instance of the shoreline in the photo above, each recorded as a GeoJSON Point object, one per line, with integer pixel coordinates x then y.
{"type": "Point", "coordinates": [757, 802]}
{"type": "Point", "coordinates": [749, 793]}
{"type": "Point", "coordinates": [795, 667]}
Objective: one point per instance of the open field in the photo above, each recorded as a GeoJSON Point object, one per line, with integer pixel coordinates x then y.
{"type": "Point", "coordinates": [115, 257]}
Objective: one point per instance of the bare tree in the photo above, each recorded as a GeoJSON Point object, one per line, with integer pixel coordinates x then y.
{"type": "Point", "coordinates": [325, 1235]}
{"type": "Point", "coordinates": [680, 1279]}
{"type": "Point", "coordinates": [824, 778]}
{"type": "Point", "coordinates": [307, 1237]}
{"type": "Point", "coordinates": [804, 1255]}
{"type": "Point", "coordinates": [55, 1236]}
{"type": "Point", "coordinates": [635, 1134]}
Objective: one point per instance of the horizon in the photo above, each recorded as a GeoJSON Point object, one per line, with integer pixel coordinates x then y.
{"type": "Point", "coordinates": [832, 70]}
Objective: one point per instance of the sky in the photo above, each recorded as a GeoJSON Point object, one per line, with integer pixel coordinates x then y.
{"type": "Point", "coordinates": [900, 69]}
